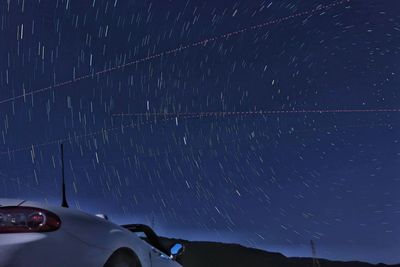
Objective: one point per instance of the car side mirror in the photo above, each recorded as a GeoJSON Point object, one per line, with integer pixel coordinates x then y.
{"type": "Point", "coordinates": [177, 250]}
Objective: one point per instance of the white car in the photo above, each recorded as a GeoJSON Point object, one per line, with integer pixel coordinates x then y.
{"type": "Point", "coordinates": [36, 235]}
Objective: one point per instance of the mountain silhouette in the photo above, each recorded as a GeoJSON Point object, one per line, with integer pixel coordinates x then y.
{"type": "Point", "coordinates": [212, 254]}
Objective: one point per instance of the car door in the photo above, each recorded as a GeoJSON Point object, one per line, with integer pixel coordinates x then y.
{"type": "Point", "coordinates": [159, 259]}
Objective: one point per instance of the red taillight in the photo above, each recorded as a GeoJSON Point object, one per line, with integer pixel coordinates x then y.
{"type": "Point", "coordinates": [27, 220]}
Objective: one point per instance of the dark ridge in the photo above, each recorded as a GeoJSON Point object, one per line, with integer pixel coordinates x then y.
{"type": "Point", "coordinates": [212, 254]}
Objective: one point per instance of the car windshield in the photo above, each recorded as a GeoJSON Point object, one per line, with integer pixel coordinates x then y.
{"type": "Point", "coordinates": [270, 124]}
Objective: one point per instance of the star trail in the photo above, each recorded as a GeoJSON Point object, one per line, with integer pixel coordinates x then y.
{"type": "Point", "coordinates": [264, 123]}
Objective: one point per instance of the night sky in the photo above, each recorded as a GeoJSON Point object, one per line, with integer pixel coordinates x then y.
{"type": "Point", "coordinates": [175, 114]}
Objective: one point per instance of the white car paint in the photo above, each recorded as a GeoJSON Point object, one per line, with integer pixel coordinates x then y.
{"type": "Point", "coordinates": [82, 240]}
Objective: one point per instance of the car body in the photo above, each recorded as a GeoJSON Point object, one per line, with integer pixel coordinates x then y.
{"type": "Point", "coordinates": [73, 238]}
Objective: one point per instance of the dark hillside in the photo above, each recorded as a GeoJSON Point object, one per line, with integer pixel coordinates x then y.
{"type": "Point", "coordinates": [210, 254]}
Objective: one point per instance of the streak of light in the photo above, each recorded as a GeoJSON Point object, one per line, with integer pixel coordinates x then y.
{"type": "Point", "coordinates": [106, 130]}
{"type": "Point", "coordinates": [235, 141]}
{"type": "Point", "coordinates": [256, 112]}
{"type": "Point", "coordinates": [203, 42]}
{"type": "Point", "coordinates": [17, 182]}
{"type": "Point", "coordinates": [219, 143]}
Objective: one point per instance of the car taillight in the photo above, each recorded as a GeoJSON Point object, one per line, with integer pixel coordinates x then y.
{"type": "Point", "coordinates": [27, 220]}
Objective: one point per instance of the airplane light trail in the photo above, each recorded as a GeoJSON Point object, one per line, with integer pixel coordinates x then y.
{"type": "Point", "coordinates": [175, 116]}
{"type": "Point", "coordinates": [203, 42]}
{"type": "Point", "coordinates": [257, 112]}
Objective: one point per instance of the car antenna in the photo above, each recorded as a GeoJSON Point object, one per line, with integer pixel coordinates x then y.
{"type": "Point", "coordinates": [64, 197]}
